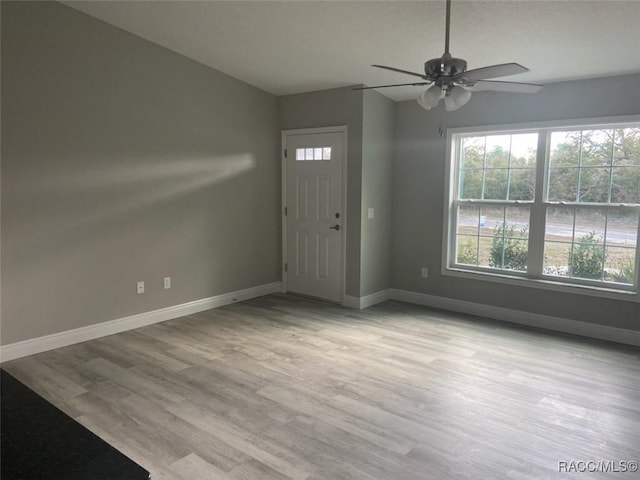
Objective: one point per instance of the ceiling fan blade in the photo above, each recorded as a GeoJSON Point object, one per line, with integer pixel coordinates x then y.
{"type": "Point", "coordinates": [399, 70]}
{"type": "Point", "coordinates": [394, 85]}
{"type": "Point", "coordinates": [514, 87]}
{"type": "Point", "coordinates": [492, 71]}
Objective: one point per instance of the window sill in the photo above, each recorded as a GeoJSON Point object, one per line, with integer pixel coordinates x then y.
{"type": "Point", "coordinates": [518, 281]}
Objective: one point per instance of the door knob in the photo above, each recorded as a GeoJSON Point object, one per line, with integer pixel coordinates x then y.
{"type": "Point", "coordinates": [335, 227]}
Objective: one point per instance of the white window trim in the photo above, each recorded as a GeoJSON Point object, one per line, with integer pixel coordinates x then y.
{"type": "Point", "coordinates": [516, 279]}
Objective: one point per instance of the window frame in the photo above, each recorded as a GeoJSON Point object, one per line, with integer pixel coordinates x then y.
{"type": "Point", "coordinates": [534, 276]}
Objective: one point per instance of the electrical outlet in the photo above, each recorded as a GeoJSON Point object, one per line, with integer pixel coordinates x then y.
{"type": "Point", "coordinates": [424, 272]}
{"type": "Point", "coordinates": [167, 283]}
{"type": "Point", "coordinates": [140, 287]}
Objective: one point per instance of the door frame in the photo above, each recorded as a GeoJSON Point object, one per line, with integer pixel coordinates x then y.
{"type": "Point", "coordinates": [342, 129]}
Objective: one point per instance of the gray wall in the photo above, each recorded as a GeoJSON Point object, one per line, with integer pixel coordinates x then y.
{"type": "Point", "coordinates": [418, 193]}
{"type": "Point", "coordinates": [377, 163]}
{"type": "Point", "coordinates": [328, 108]}
{"type": "Point", "coordinates": [123, 161]}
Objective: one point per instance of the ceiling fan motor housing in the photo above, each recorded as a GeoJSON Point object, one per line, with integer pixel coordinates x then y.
{"type": "Point", "coordinates": [446, 66]}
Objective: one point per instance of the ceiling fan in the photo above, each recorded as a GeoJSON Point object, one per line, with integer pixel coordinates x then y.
{"type": "Point", "coordinates": [454, 83]}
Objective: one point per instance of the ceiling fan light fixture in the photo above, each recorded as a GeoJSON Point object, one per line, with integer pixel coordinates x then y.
{"type": "Point", "coordinates": [430, 97]}
{"type": "Point", "coordinates": [456, 98]}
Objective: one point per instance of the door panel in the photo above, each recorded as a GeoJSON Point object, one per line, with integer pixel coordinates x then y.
{"type": "Point", "coordinates": [314, 201]}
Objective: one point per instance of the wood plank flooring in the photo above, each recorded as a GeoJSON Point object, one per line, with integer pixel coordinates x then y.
{"type": "Point", "coordinates": [282, 387]}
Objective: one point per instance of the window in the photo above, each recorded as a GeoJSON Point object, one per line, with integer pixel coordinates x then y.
{"type": "Point", "coordinates": [313, 153]}
{"type": "Point", "coordinates": [546, 203]}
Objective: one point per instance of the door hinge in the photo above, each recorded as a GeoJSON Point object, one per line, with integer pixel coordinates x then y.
{"type": "Point", "coordinates": [286, 211]}
{"type": "Point", "coordinates": [285, 153]}
{"type": "Point", "coordinates": [286, 267]}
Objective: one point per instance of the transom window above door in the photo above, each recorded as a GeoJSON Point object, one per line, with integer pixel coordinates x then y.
{"type": "Point", "coordinates": [313, 153]}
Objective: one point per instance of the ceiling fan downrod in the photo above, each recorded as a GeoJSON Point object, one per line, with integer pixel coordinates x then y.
{"type": "Point", "coordinates": [445, 66]}
{"type": "Point", "coordinates": [446, 32]}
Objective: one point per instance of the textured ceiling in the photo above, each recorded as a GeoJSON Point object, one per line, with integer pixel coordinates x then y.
{"type": "Point", "coordinates": [298, 46]}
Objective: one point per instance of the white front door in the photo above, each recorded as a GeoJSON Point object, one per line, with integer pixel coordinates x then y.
{"type": "Point", "coordinates": [314, 218]}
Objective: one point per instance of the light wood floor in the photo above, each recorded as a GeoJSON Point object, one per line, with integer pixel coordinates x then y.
{"type": "Point", "coordinates": [287, 388]}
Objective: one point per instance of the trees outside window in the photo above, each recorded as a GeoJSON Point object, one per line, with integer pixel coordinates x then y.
{"type": "Point", "coordinates": [568, 212]}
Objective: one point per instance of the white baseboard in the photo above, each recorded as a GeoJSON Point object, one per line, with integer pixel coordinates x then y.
{"type": "Point", "coordinates": [367, 300]}
{"type": "Point", "coordinates": [91, 332]}
{"type": "Point", "coordinates": [585, 329]}
{"type": "Point", "coordinates": [351, 302]}
{"type": "Point", "coordinates": [575, 327]}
